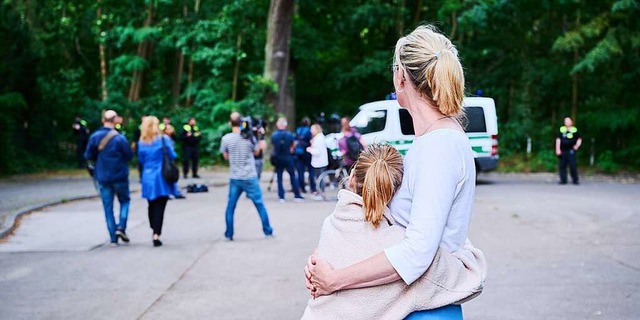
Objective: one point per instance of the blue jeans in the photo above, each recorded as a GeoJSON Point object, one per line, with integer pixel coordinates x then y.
{"type": "Point", "coordinates": [107, 192]}
{"type": "Point", "coordinates": [252, 188]}
{"type": "Point", "coordinates": [287, 164]}
{"type": "Point", "coordinates": [450, 312]}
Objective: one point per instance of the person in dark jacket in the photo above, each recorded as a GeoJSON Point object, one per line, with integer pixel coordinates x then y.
{"type": "Point", "coordinates": [283, 143]}
{"type": "Point", "coordinates": [302, 157]}
{"type": "Point", "coordinates": [190, 140]}
{"type": "Point", "coordinates": [111, 153]}
{"type": "Point", "coordinates": [81, 131]}
{"type": "Point", "coordinates": [154, 187]}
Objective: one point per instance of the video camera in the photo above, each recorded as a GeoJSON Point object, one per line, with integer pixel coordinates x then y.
{"type": "Point", "coordinates": [252, 128]}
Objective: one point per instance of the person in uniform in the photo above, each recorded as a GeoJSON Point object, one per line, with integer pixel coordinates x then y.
{"type": "Point", "coordinates": [190, 140]}
{"type": "Point", "coordinates": [567, 144]}
{"type": "Point", "coordinates": [81, 132]}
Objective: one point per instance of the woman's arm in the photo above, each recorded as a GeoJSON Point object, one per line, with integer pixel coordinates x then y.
{"type": "Point", "coordinates": [374, 271]}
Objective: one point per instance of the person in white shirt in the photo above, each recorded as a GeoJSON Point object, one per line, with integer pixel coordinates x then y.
{"type": "Point", "coordinates": [319, 155]}
{"type": "Point", "coordinates": [435, 200]}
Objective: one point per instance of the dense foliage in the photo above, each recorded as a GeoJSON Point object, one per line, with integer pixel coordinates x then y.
{"type": "Point", "coordinates": [540, 60]}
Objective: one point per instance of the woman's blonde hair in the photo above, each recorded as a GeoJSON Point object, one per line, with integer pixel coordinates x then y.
{"type": "Point", "coordinates": [432, 64]}
{"type": "Point", "coordinates": [149, 129]}
{"type": "Point", "coordinates": [317, 127]}
{"type": "Point", "coordinates": [377, 176]}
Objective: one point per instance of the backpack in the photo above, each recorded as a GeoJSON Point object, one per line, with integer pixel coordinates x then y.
{"type": "Point", "coordinates": [354, 147]}
{"type": "Point", "coordinates": [280, 149]}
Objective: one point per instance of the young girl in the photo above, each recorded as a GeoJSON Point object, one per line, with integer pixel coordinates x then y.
{"type": "Point", "coordinates": [361, 226]}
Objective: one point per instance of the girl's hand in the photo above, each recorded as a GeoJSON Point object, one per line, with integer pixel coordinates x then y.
{"type": "Point", "coordinates": [322, 281]}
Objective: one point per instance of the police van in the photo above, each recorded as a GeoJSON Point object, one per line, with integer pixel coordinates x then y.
{"type": "Point", "coordinates": [387, 122]}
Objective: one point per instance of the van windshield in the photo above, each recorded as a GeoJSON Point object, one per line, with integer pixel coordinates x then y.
{"type": "Point", "coordinates": [370, 121]}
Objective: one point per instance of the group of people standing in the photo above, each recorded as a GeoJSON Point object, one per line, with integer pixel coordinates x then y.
{"type": "Point", "coordinates": [306, 152]}
{"type": "Point", "coordinates": [111, 152]}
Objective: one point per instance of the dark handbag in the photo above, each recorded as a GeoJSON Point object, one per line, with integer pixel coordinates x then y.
{"type": "Point", "coordinates": [170, 171]}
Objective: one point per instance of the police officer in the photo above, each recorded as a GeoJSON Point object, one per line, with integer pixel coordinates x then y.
{"type": "Point", "coordinates": [81, 132]}
{"type": "Point", "coordinates": [190, 139]}
{"type": "Point", "coordinates": [119, 125]}
{"type": "Point", "coordinates": [567, 145]}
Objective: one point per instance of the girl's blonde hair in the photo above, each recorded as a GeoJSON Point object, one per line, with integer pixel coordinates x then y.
{"type": "Point", "coordinates": [377, 176]}
{"type": "Point", "coordinates": [149, 129]}
{"type": "Point", "coordinates": [431, 62]}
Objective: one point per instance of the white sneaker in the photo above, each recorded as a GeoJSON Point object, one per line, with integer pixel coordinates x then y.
{"type": "Point", "coordinates": [282, 200]}
{"type": "Point", "coordinates": [298, 200]}
{"type": "Point", "coordinates": [318, 197]}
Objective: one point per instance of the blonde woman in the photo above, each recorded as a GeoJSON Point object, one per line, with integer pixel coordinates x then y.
{"type": "Point", "coordinates": [154, 187]}
{"type": "Point", "coordinates": [361, 226]}
{"type": "Point", "coordinates": [319, 155]}
{"type": "Point", "coordinates": [435, 199]}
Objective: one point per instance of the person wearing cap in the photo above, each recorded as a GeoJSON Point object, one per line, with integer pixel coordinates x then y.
{"type": "Point", "coordinates": [111, 153]}
{"type": "Point", "coordinates": [190, 140]}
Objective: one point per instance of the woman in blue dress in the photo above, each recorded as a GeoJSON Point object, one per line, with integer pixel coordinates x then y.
{"type": "Point", "coordinates": [154, 187]}
{"type": "Point", "coordinates": [435, 199]}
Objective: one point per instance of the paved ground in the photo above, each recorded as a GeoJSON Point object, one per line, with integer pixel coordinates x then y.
{"type": "Point", "coordinates": [554, 252]}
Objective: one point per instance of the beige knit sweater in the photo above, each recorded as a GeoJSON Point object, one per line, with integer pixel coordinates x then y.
{"type": "Point", "coordinates": [346, 239]}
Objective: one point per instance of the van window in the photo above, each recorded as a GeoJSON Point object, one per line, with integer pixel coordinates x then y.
{"type": "Point", "coordinates": [370, 121]}
{"type": "Point", "coordinates": [475, 121]}
{"type": "Point", "coordinates": [406, 123]}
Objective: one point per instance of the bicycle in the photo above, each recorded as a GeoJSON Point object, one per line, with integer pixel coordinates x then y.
{"type": "Point", "coordinates": [331, 181]}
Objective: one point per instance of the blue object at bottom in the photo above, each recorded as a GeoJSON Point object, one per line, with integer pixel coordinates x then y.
{"type": "Point", "coordinates": [450, 312]}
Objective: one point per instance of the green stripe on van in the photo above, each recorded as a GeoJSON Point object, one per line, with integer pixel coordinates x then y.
{"type": "Point", "coordinates": [477, 149]}
{"type": "Point", "coordinates": [479, 137]}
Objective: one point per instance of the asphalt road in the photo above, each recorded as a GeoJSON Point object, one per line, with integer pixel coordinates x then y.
{"type": "Point", "coordinates": [554, 252]}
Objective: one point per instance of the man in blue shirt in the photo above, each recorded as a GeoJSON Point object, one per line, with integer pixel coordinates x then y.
{"type": "Point", "coordinates": [303, 158]}
{"type": "Point", "coordinates": [111, 153]}
{"type": "Point", "coordinates": [283, 144]}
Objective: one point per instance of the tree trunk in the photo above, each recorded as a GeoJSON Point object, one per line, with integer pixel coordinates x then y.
{"type": "Point", "coordinates": [143, 50]}
{"type": "Point", "coordinates": [177, 81]}
{"type": "Point", "coordinates": [416, 17]}
{"type": "Point", "coordinates": [190, 75]}
{"type": "Point", "coordinates": [276, 66]}
{"type": "Point", "coordinates": [574, 78]}
{"type": "Point", "coordinates": [454, 25]}
{"type": "Point", "coordinates": [103, 59]}
{"type": "Point", "coordinates": [400, 18]}
{"type": "Point", "coordinates": [236, 71]}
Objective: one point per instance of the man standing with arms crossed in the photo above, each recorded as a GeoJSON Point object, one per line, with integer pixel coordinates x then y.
{"type": "Point", "coordinates": [239, 151]}
{"type": "Point", "coordinates": [111, 153]}
{"type": "Point", "coordinates": [567, 144]}
{"type": "Point", "coordinates": [190, 142]}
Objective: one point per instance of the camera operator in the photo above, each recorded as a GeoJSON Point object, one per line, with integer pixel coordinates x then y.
{"type": "Point", "coordinates": [257, 132]}
{"type": "Point", "coordinates": [239, 149]}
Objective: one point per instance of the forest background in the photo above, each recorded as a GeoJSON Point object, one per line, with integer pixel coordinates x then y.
{"type": "Point", "coordinates": [540, 60]}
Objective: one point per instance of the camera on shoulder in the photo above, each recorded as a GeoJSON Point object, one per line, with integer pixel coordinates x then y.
{"type": "Point", "coordinates": [251, 128]}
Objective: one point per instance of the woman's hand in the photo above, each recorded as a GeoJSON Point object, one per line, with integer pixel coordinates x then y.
{"type": "Point", "coordinates": [322, 281]}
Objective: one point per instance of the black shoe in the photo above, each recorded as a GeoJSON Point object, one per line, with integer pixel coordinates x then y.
{"type": "Point", "coordinates": [179, 196]}
{"type": "Point", "coordinates": [195, 176]}
{"type": "Point", "coordinates": [157, 242]}
{"type": "Point", "coordinates": [122, 235]}
{"type": "Point", "coordinates": [576, 183]}
{"type": "Point", "coordinates": [562, 182]}
{"type": "Point", "coordinates": [185, 177]}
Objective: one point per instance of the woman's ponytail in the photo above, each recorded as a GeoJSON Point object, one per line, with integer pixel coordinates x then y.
{"type": "Point", "coordinates": [447, 83]}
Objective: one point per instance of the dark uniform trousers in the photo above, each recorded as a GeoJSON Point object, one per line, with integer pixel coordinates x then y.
{"type": "Point", "coordinates": [190, 156]}
{"type": "Point", "coordinates": [568, 157]}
